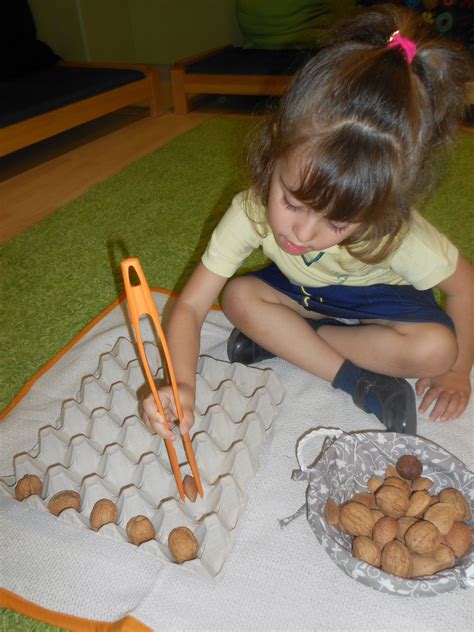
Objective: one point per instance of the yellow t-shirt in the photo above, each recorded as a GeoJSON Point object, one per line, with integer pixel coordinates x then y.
{"type": "Point", "coordinates": [423, 259]}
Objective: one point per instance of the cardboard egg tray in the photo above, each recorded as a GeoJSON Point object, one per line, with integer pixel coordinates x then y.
{"type": "Point", "coordinates": [100, 448]}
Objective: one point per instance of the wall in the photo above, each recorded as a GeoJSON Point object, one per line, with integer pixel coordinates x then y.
{"type": "Point", "coordinates": [140, 31]}
{"type": "Point", "coordinates": [58, 24]}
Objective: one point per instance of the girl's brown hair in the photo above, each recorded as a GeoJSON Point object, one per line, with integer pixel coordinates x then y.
{"type": "Point", "coordinates": [365, 123]}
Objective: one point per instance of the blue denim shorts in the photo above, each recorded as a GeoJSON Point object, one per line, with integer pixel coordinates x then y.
{"type": "Point", "coordinates": [402, 303]}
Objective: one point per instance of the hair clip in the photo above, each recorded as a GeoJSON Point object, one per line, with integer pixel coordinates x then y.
{"type": "Point", "coordinates": [407, 45]}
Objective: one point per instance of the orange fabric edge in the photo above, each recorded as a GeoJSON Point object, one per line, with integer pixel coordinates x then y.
{"type": "Point", "coordinates": [24, 390]}
{"type": "Point", "coordinates": [69, 622]}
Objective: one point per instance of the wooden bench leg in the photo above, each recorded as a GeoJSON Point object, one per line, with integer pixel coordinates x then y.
{"type": "Point", "coordinates": [155, 97]}
{"type": "Point", "coordinates": [180, 100]}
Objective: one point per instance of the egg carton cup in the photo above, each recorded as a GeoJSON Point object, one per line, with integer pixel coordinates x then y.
{"type": "Point", "coordinates": [100, 448]}
{"type": "Point", "coordinates": [343, 468]}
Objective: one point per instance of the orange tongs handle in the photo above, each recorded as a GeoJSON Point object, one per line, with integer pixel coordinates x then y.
{"type": "Point", "coordinates": [140, 303]}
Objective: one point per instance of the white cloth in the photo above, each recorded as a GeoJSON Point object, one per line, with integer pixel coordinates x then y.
{"type": "Point", "coordinates": [274, 579]}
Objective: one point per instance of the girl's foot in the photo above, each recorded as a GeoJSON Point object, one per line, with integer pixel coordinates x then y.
{"type": "Point", "coordinates": [241, 348]}
{"type": "Point", "coordinates": [390, 399]}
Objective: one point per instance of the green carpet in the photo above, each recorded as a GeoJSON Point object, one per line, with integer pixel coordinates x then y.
{"type": "Point", "coordinates": [12, 622]}
{"type": "Point", "coordinates": [58, 275]}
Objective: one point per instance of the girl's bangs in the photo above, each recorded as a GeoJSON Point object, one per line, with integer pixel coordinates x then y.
{"type": "Point", "coordinates": [349, 175]}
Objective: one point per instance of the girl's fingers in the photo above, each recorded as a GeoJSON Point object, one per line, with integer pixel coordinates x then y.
{"type": "Point", "coordinates": [456, 407]}
{"type": "Point", "coordinates": [448, 405]}
{"type": "Point", "coordinates": [187, 422]}
{"type": "Point", "coordinates": [462, 404]}
{"type": "Point", "coordinates": [162, 430]}
{"type": "Point", "coordinates": [422, 385]}
{"type": "Point", "coordinates": [449, 394]}
{"type": "Point", "coordinates": [154, 421]}
{"type": "Point", "coordinates": [438, 408]}
{"type": "Point", "coordinates": [157, 425]}
{"type": "Point", "coordinates": [427, 400]}
{"type": "Point", "coordinates": [146, 421]}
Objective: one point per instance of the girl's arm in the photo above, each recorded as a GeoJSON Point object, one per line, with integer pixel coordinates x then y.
{"type": "Point", "coordinates": [183, 337]}
{"type": "Point", "coordinates": [452, 389]}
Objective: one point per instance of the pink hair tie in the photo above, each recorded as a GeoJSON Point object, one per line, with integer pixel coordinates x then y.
{"type": "Point", "coordinates": [407, 45]}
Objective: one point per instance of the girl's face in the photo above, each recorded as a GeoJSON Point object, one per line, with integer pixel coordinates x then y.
{"type": "Point", "coordinates": [297, 228]}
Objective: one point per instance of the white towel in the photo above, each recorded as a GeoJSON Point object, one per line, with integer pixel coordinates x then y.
{"type": "Point", "coordinates": [274, 579]}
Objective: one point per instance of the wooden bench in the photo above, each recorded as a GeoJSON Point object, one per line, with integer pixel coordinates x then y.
{"type": "Point", "coordinates": [234, 70]}
{"type": "Point", "coordinates": [142, 87]}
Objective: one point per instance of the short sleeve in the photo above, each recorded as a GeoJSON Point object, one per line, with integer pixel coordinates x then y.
{"type": "Point", "coordinates": [233, 239]}
{"type": "Point", "coordinates": [425, 257]}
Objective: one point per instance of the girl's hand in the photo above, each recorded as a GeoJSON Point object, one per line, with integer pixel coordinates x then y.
{"type": "Point", "coordinates": [153, 419]}
{"type": "Point", "coordinates": [451, 390]}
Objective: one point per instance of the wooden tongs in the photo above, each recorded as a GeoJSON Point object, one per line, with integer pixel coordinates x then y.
{"type": "Point", "coordinates": [141, 303]}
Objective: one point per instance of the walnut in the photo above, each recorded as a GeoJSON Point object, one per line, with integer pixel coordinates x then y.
{"type": "Point", "coordinates": [419, 503]}
{"type": "Point", "coordinates": [421, 483]}
{"type": "Point", "coordinates": [409, 467]}
{"type": "Point", "coordinates": [391, 471]}
{"type": "Point", "coordinates": [182, 544]}
{"type": "Point", "coordinates": [423, 565]}
{"type": "Point", "coordinates": [374, 483]}
{"type": "Point", "coordinates": [396, 559]}
{"type": "Point", "coordinates": [404, 523]}
{"type": "Point", "coordinates": [457, 500]}
{"type": "Point", "coordinates": [385, 530]}
{"type": "Point", "coordinates": [406, 531]}
{"type": "Point", "coordinates": [440, 559]}
{"type": "Point", "coordinates": [332, 513]}
{"type": "Point", "coordinates": [68, 499]}
{"type": "Point", "coordinates": [377, 514]}
{"type": "Point", "coordinates": [422, 538]}
{"type": "Point", "coordinates": [190, 487]}
{"type": "Point", "coordinates": [103, 512]}
{"type": "Point", "coordinates": [27, 486]}
{"type": "Point", "coordinates": [356, 519]}
{"type": "Point", "coordinates": [140, 529]}
{"type": "Point", "coordinates": [365, 499]}
{"type": "Point", "coordinates": [364, 549]}
{"type": "Point", "coordinates": [442, 515]}
{"type": "Point", "coordinates": [396, 481]}
{"type": "Point", "coordinates": [459, 538]}
{"type": "Point", "coordinates": [444, 555]}
{"type": "Point", "coordinates": [391, 501]}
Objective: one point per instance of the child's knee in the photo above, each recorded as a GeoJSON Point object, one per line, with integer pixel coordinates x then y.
{"type": "Point", "coordinates": [436, 350]}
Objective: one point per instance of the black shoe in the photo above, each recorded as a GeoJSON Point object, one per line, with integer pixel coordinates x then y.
{"type": "Point", "coordinates": [396, 399]}
{"type": "Point", "coordinates": [240, 348]}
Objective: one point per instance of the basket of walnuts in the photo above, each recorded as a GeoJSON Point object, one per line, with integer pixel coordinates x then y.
{"type": "Point", "coordinates": [393, 511]}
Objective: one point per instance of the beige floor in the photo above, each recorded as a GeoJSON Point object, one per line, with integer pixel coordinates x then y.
{"type": "Point", "coordinates": [37, 180]}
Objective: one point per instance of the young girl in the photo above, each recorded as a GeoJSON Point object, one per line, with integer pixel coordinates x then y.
{"type": "Point", "coordinates": [334, 176]}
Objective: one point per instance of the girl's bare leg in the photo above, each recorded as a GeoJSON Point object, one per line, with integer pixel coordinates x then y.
{"type": "Point", "coordinates": [397, 349]}
{"type": "Point", "coordinates": [277, 323]}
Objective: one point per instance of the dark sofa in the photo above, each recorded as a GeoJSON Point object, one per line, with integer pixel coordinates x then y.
{"type": "Point", "coordinates": [41, 95]}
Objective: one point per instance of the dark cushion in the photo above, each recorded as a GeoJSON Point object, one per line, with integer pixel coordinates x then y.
{"type": "Point", "coordinates": [20, 50]}
{"type": "Point", "coordinates": [251, 61]}
{"type": "Point", "coordinates": [52, 88]}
